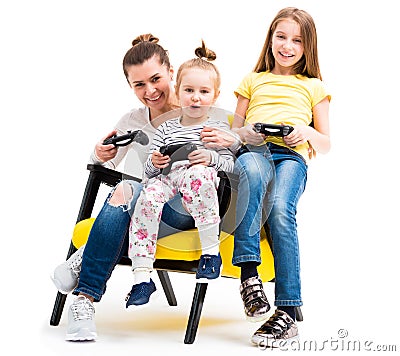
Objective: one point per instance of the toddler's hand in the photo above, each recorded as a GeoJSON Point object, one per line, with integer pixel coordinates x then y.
{"type": "Point", "coordinates": [201, 156]}
{"type": "Point", "coordinates": [160, 161]}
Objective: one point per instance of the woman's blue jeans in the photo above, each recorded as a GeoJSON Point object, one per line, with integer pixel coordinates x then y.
{"type": "Point", "coordinates": [271, 178]}
{"type": "Point", "coordinates": [108, 239]}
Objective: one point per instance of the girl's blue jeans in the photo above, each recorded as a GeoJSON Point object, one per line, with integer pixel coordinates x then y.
{"type": "Point", "coordinates": [271, 180]}
{"type": "Point", "coordinates": [108, 239]}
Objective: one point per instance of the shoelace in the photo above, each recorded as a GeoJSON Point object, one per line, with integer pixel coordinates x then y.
{"type": "Point", "coordinates": [208, 259]}
{"type": "Point", "coordinates": [75, 265]}
{"type": "Point", "coordinates": [82, 309]}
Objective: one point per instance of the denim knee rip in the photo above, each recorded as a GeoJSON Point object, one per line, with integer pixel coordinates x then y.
{"type": "Point", "coordinates": [136, 187]}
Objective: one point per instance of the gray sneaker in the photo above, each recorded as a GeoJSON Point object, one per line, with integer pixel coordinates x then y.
{"type": "Point", "coordinates": [276, 330]}
{"type": "Point", "coordinates": [255, 302]}
{"type": "Point", "coordinates": [66, 275]}
{"type": "Point", "coordinates": [81, 326]}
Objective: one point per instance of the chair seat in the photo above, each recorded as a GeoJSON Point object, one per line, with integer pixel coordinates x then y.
{"type": "Point", "coordinates": [185, 246]}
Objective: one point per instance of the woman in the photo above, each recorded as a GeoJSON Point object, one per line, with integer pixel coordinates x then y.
{"type": "Point", "coordinates": [149, 73]}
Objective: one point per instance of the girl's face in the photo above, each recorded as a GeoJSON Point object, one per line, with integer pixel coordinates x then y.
{"type": "Point", "coordinates": [287, 46]}
{"type": "Point", "coordinates": [197, 92]}
{"type": "Point", "coordinates": [151, 82]}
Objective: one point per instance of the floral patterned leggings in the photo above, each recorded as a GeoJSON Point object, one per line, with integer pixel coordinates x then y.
{"type": "Point", "coordinates": [198, 187]}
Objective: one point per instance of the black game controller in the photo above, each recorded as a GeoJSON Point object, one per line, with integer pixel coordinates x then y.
{"type": "Point", "coordinates": [136, 136]}
{"type": "Point", "coordinates": [272, 129]}
{"type": "Point", "coordinates": [177, 152]}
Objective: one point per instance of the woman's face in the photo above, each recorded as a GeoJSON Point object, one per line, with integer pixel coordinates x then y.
{"type": "Point", "coordinates": [287, 46]}
{"type": "Point", "coordinates": [151, 82]}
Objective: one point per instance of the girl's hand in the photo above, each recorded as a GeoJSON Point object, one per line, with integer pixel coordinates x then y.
{"type": "Point", "coordinates": [213, 137]}
{"type": "Point", "coordinates": [105, 152]}
{"type": "Point", "coordinates": [200, 156]}
{"type": "Point", "coordinates": [248, 135]}
{"type": "Point", "coordinates": [159, 160]}
{"type": "Point", "coordinates": [300, 135]}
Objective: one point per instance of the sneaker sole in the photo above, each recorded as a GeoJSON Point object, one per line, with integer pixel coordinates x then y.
{"type": "Point", "coordinates": [256, 319]}
{"type": "Point", "coordinates": [82, 335]}
{"type": "Point", "coordinates": [59, 288]}
{"type": "Point", "coordinates": [152, 298]}
{"type": "Point", "coordinates": [264, 342]}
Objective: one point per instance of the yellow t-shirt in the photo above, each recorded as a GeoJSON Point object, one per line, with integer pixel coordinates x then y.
{"type": "Point", "coordinates": [276, 99]}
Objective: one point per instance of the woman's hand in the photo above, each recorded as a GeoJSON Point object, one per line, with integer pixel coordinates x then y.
{"type": "Point", "coordinates": [200, 156]}
{"type": "Point", "coordinates": [105, 152]}
{"type": "Point", "coordinates": [248, 135]}
{"type": "Point", "coordinates": [214, 137]}
{"type": "Point", "coordinates": [159, 160]}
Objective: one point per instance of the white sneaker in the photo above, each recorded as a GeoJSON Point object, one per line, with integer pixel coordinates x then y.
{"type": "Point", "coordinates": [66, 275]}
{"type": "Point", "coordinates": [81, 326]}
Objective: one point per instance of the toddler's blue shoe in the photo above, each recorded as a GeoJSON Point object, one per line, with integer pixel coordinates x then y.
{"type": "Point", "coordinates": [209, 267]}
{"type": "Point", "coordinates": [140, 294]}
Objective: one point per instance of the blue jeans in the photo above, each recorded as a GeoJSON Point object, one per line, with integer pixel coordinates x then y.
{"type": "Point", "coordinates": [108, 239]}
{"type": "Point", "coordinates": [277, 178]}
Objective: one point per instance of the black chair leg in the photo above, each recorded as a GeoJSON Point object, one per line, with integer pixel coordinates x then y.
{"type": "Point", "coordinates": [60, 298]}
{"type": "Point", "coordinates": [167, 286]}
{"type": "Point", "coordinates": [299, 314]}
{"type": "Point", "coordinates": [58, 309]}
{"type": "Point", "coordinates": [195, 312]}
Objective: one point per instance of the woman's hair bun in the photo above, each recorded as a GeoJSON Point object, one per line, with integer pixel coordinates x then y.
{"type": "Point", "coordinates": [148, 37]}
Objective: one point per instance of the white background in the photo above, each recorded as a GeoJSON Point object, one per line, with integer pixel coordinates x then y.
{"type": "Point", "coordinates": [62, 89]}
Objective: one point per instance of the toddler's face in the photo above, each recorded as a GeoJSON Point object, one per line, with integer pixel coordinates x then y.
{"type": "Point", "coordinates": [197, 92]}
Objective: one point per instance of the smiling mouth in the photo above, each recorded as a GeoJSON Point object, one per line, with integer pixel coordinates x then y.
{"type": "Point", "coordinates": [154, 99]}
{"type": "Point", "coordinates": [286, 55]}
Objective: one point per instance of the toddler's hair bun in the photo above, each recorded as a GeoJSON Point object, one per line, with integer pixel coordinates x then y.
{"type": "Point", "coordinates": [204, 53]}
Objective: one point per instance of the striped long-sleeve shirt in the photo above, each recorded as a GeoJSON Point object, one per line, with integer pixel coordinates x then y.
{"type": "Point", "coordinates": [172, 132]}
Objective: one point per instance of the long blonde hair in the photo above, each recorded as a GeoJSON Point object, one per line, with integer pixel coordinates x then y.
{"type": "Point", "coordinates": [308, 65]}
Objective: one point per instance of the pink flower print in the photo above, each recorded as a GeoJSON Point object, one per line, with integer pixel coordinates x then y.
{"type": "Point", "coordinates": [151, 249]}
{"type": "Point", "coordinates": [147, 213]}
{"type": "Point", "coordinates": [187, 198]}
{"type": "Point", "coordinates": [141, 234]}
{"type": "Point", "coordinates": [195, 185]}
{"type": "Point", "coordinates": [159, 198]}
{"type": "Point", "coordinates": [210, 192]}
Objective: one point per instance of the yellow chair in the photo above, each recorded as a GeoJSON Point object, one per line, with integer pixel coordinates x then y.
{"type": "Point", "coordinates": [179, 252]}
{"type": "Point", "coordinates": [185, 246]}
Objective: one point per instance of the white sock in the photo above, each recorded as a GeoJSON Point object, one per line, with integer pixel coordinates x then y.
{"type": "Point", "coordinates": [209, 238]}
{"type": "Point", "coordinates": [141, 275]}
